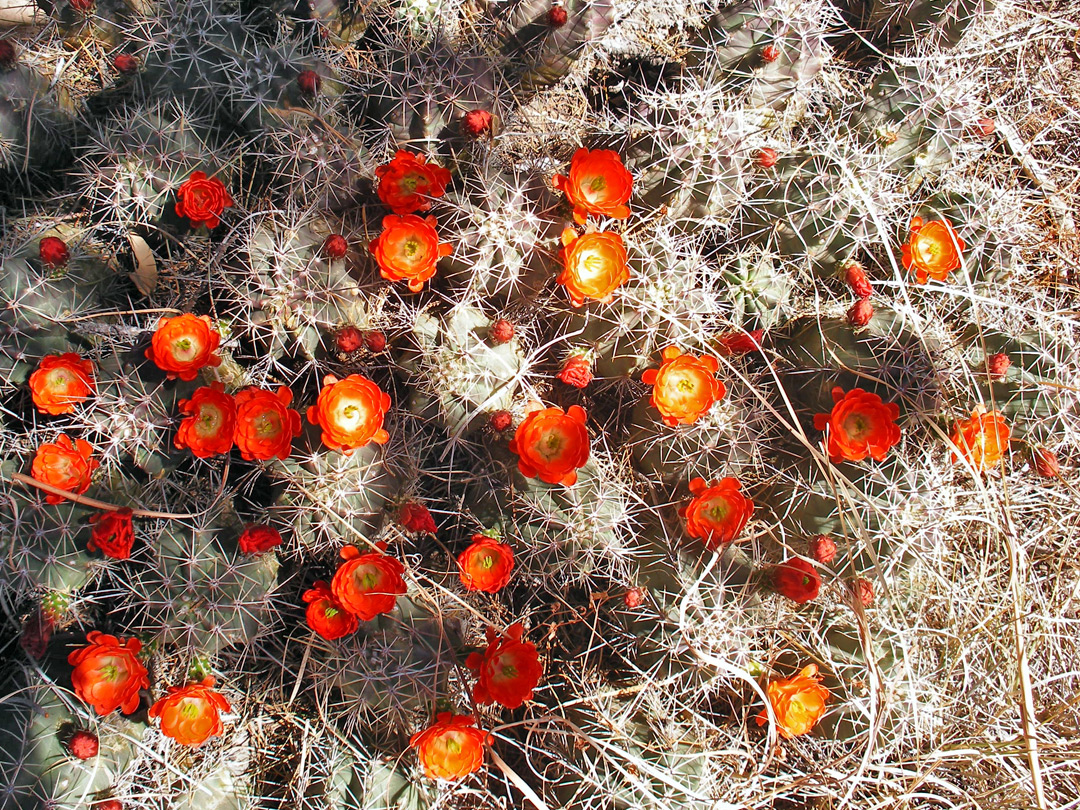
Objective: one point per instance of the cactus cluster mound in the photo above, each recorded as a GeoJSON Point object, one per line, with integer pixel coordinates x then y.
{"type": "Point", "coordinates": [573, 404]}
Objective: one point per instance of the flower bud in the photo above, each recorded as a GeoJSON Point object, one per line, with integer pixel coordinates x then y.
{"type": "Point", "coordinates": [822, 549]}
{"type": "Point", "coordinates": [125, 63]}
{"type": "Point", "coordinates": [557, 16]}
{"type": "Point", "coordinates": [855, 276]}
{"type": "Point", "coordinates": [767, 157]}
{"type": "Point", "coordinates": [374, 341]}
{"type": "Point", "coordinates": [998, 364]}
{"type": "Point", "coordinates": [770, 53]}
{"type": "Point", "coordinates": [415, 517]}
{"type": "Point", "coordinates": [83, 744]}
{"type": "Point", "coordinates": [1045, 462]}
{"type": "Point", "coordinates": [502, 331]}
{"type": "Point", "coordinates": [7, 54]}
{"type": "Point", "coordinates": [501, 420]}
{"type": "Point", "coordinates": [348, 339]}
{"type": "Point", "coordinates": [984, 127]}
{"type": "Point", "coordinates": [635, 597]}
{"type": "Point", "coordinates": [309, 82]}
{"type": "Point", "coordinates": [335, 246]}
{"type": "Point", "coordinates": [861, 313]}
{"type": "Point", "coordinates": [862, 590]}
{"type": "Point", "coordinates": [476, 123]}
{"type": "Point", "coordinates": [576, 371]}
{"type": "Point", "coordinates": [53, 252]}
{"type": "Point", "coordinates": [85, 6]}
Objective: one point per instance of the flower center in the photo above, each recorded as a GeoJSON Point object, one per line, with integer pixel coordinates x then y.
{"type": "Point", "coordinates": [856, 426]}
{"type": "Point", "coordinates": [487, 562]}
{"type": "Point", "coordinates": [409, 183]}
{"type": "Point", "coordinates": [453, 746]}
{"type": "Point", "coordinates": [190, 710]}
{"type": "Point", "coordinates": [330, 612]}
{"type": "Point", "coordinates": [267, 424]}
{"type": "Point", "coordinates": [412, 247]}
{"type": "Point", "coordinates": [509, 671]}
{"type": "Point", "coordinates": [185, 349]}
{"type": "Point", "coordinates": [109, 672]}
{"type": "Point", "coordinates": [59, 380]}
{"type": "Point", "coordinates": [597, 184]}
{"type": "Point", "coordinates": [209, 420]}
{"type": "Point", "coordinates": [718, 511]}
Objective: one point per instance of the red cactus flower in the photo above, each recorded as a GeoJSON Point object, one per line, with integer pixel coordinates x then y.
{"type": "Point", "coordinates": [933, 250]}
{"type": "Point", "coordinates": [258, 539]}
{"type": "Point", "coordinates": [576, 371]}
{"type": "Point", "coordinates": [112, 534]}
{"type": "Point", "coordinates": [476, 123]}
{"type": "Point", "coordinates": [191, 714]}
{"type": "Point", "coordinates": [485, 565]}
{"type": "Point", "coordinates": [859, 425]}
{"type": "Point", "coordinates": [53, 252]}
{"type": "Point", "coordinates": [822, 549]}
{"type": "Point", "coordinates": [982, 439]}
{"type": "Point", "coordinates": [684, 387]}
{"type": "Point", "coordinates": [64, 464]}
{"type": "Point", "coordinates": [552, 445]}
{"type": "Point", "coordinates": [210, 423]}
{"type": "Point", "coordinates": [796, 579]}
{"type": "Point", "coordinates": [350, 413]}
{"type": "Point", "coordinates": [766, 157]}
{"type": "Point", "coordinates": [326, 615]}
{"type": "Point", "coordinates": [265, 425]}
{"type": "Point", "coordinates": [184, 345]}
{"type": "Point", "coordinates": [108, 674]}
{"type": "Point", "coordinates": [408, 249]}
{"type": "Point", "coordinates": [594, 265]}
{"type": "Point", "coordinates": [83, 6]}
{"type": "Point", "coordinates": [309, 82]}
{"type": "Point", "coordinates": [408, 183]}
{"type": "Point", "coordinates": [597, 183]}
{"type": "Point", "coordinates": [62, 381]}
{"type": "Point", "coordinates": [798, 702]}
{"type": "Point", "coordinates": [83, 744]}
{"type": "Point", "coordinates": [451, 748]}
{"type": "Point", "coordinates": [202, 200]}
{"type": "Point", "coordinates": [855, 276]}
{"type": "Point", "coordinates": [717, 512]}
{"type": "Point", "coordinates": [507, 671]}
{"type": "Point", "coordinates": [415, 517]}
{"type": "Point", "coordinates": [368, 584]}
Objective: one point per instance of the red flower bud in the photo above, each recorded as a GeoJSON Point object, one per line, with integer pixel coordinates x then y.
{"type": "Point", "coordinates": [348, 339]}
{"type": "Point", "coordinates": [576, 371]}
{"type": "Point", "coordinates": [855, 276]}
{"type": "Point", "coordinates": [84, 6]}
{"type": "Point", "coordinates": [863, 591]}
{"type": "Point", "coordinates": [501, 420]}
{"type": "Point", "coordinates": [125, 63]}
{"type": "Point", "coordinates": [557, 16]}
{"type": "Point", "coordinates": [861, 313]}
{"type": "Point", "coordinates": [476, 123]}
{"type": "Point", "coordinates": [998, 364]}
{"type": "Point", "coordinates": [7, 54]}
{"type": "Point", "coordinates": [767, 157]}
{"type": "Point", "coordinates": [797, 580]}
{"type": "Point", "coordinates": [1045, 462]}
{"type": "Point", "coordinates": [635, 598]}
{"type": "Point", "coordinates": [822, 549]}
{"type": "Point", "coordinates": [335, 246]}
{"type": "Point", "coordinates": [53, 252]}
{"type": "Point", "coordinates": [258, 539]}
{"type": "Point", "coordinates": [415, 517]}
{"type": "Point", "coordinates": [731, 343]}
{"type": "Point", "coordinates": [309, 82]}
{"type": "Point", "coordinates": [108, 804]}
{"type": "Point", "coordinates": [770, 53]}
{"type": "Point", "coordinates": [985, 127]}
{"type": "Point", "coordinates": [502, 331]}
{"type": "Point", "coordinates": [374, 341]}
{"type": "Point", "coordinates": [83, 744]}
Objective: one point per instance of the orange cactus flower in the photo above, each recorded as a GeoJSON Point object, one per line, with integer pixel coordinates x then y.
{"type": "Point", "coordinates": [594, 265]}
{"type": "Point", "coordinates": [408, 249]}
{"type": "Point", "coordinates": [798, 702]}
{"type": "Point", "coordinates": [350, 412]}
{"type": "Point", "coordinates": [191, 714]}
{"type": "Point", "coordinates": [598, 183]}
{"type": "Point", "coordinates": [486, 564]}
{"type": "Point", "coordinates": [183, 345]}
{"type": "Point", "coordinates": [933, 249]}
{"type": "Point", "coordinates": [552, 445]}
{"type": "Point", "coordinates": [108, 674]}
{"type": "Point", "coordinates": [60, 382]}
{"type": "Point", "coordinates": [684, 387]}
{"type": "Point", "coordinates": [451, 748]}
{"type": "Point", "coordinates": [210, 425]}
{"type": "Point", "coordinates": [64, 464]}
{"type": "Point", "coordinates": [982, 439]}
{"type": "Point", "coordinates": [368, 584]}
{"type": "Point", "coordinates": [202, 200]}
{"type": "Point", "coordinates": [408, 182]}
{"type": "Point", "coordinates": [326, 615]}
{"type": "Point", "coordinates": [718, 512]}
{"type": "Point", "coordinates": [508, 670]}
{"type": "Point", "coordinates": [112, 534]}
{"type": "Point", "coordinates": [859, 425]}
{"type": "Point", "coordinates": [265, 425]}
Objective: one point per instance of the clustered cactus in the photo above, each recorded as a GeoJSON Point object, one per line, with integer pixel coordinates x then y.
{"type": "Point", "coordinates": [492, 412]}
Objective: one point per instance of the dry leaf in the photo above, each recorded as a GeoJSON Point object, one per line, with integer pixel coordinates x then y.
{"type": "Point", "coordinates": [145, 275]}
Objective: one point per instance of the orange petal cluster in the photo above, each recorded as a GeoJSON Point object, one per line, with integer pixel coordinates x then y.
{"type": "Point", "coordinates": [202, 200]}
{"type": "Point", "coordinates": [507, 671]}
{"type": "Point", "coordinates": [717, 512]}
{"type": "Point", "coordinates": [326, 615]}
{"type": "Point", "coordinates": [408, 249]}
{"type": "Point", "coordinates": [210, 425]}
{"type": "Point", "coordinates": [798, 702]}
{"type": "Point", "coordinates": [552, 444]}
{"type": "Point", "coordinates": [367, 584]}
{"type": "Point", "coordinates": [191, 714]}
{"type": "Point", "coordinates": [265, 425]}
{"type": "Point", "coordinates": [60, 382]}
{"type": "Point", "coordinates": [451, 748]}
{"type": "Point", "coordinates": [64, 464]}
{"type": "Point", "coordinates": [350, 412]}
{"type": "Point", "coordinates": [982, 439]}
{"type": "Point", "coordinates": [933, 250]}
{"type": "Point", "coordinates": [859, 425]}
{"type": "Point", "coordinates": [598, 183]}
{"type": "Point", "coordinates": [108, 674]}
{"type": "Point", "coordinates": [684, 387]}
{"type": "Point", "coordinates": [183, 345]}
{"type": "Point", "coordinates": [408, 182]}
{"type": "Point", "coordinates": [594, 265]}
{"type": "Point", "coordinates": [486, 564]}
